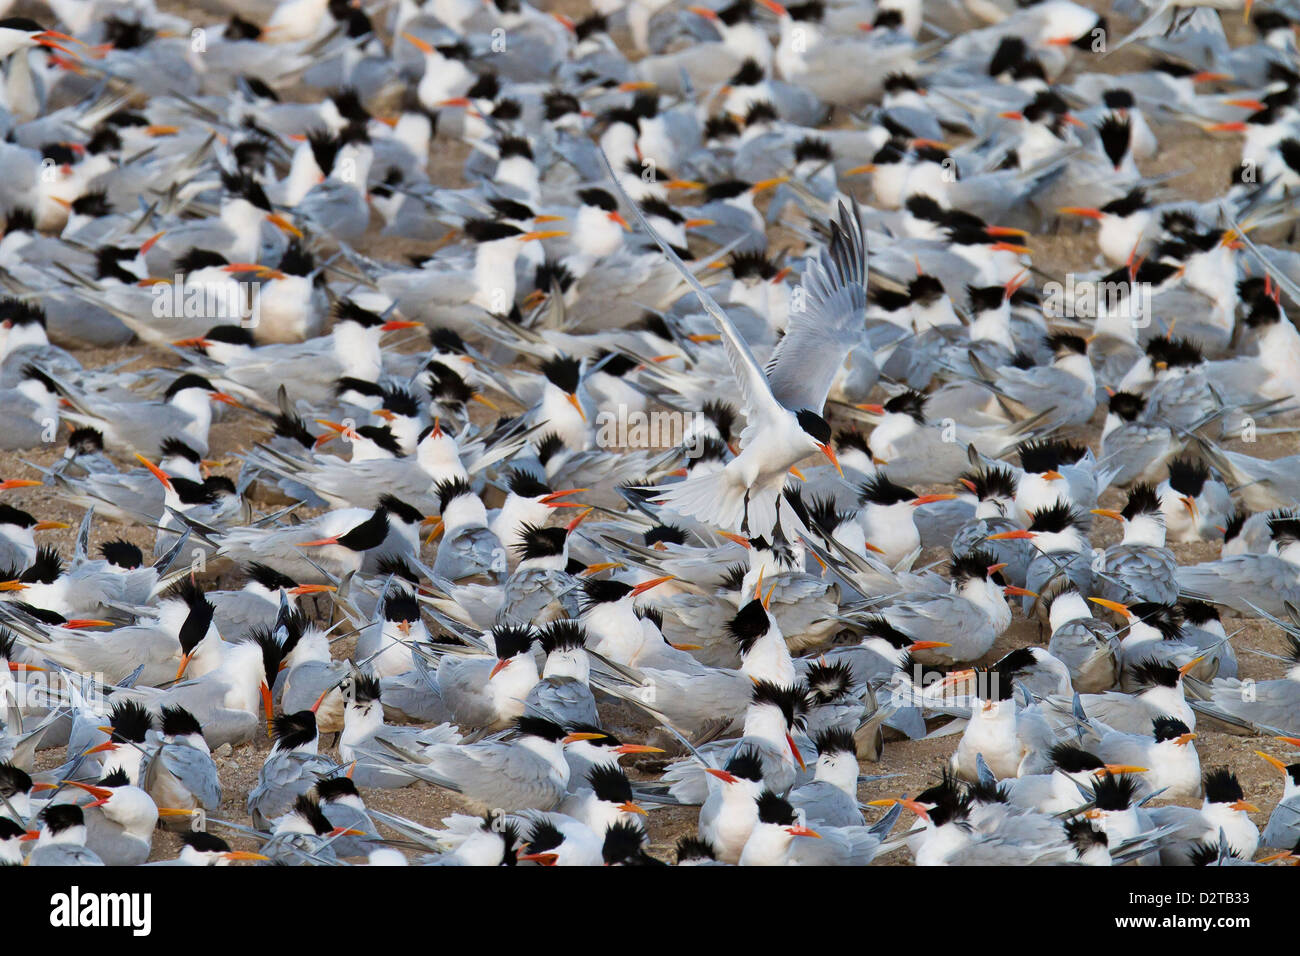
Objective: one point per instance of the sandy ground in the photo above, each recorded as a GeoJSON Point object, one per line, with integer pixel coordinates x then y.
{"type": "Point", "coordinates": [916, 764]}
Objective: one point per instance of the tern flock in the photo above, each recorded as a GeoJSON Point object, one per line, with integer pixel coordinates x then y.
{"type": "Point", "coordinates": [657, 373]}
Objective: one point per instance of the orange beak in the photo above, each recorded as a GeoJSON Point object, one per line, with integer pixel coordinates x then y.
{"type": "Point", "coordinates": [652, 583]}
{"type": "Point", "coordinates": [829, 452]}
{"type": "Point", "coordinates": [553, 498]}
{"type": "Point", "coordinates": [310, 589]}
{"type": "Point", "coordinates": [794, 751]}
{"type": "Point", "coordinates": [573, 400]}
{"type": "Point", "coordinates": [637, 749]}
{"type": "Point", "coordinates": [284, 225]}
{"type": "Point", "coordinates": [1273, 760]}
{"type": "Point", "coordinates": [931, 499]}
{"type": "Point", "coordinates": [19, 483]}
{"type": "Point", "coordinates": [1115, 769]}
{"type": "Point", "coordinates": [148, 243]}
{"type": "Point", "coordinates": [918, 808]}
{"type": "Point", "coordinates": [244, 855]}
{"type": "Point", "coordinates": [419, 44]}
{"type": "Point", "coordinates": [1116, 606]}
{"type": "Point", "coordinates": [544, 859]}
{"type": "Point", "coordinates": [268, 708]}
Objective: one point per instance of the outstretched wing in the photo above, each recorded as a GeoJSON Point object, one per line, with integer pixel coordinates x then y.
{"type": "Point", "coordinates": [760, 405]}
{"type": "Point", "coordinates": [826, 323]}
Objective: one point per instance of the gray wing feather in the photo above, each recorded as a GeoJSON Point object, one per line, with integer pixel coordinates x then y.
{"type": "Point", "coordinates": [821, 334]}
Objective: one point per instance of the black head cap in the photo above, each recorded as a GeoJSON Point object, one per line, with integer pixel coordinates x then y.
{"type": "Point", "coordinates": [791, 701]}
{"type": "Point", "coordinates": [294, 730]}
{"type": "Point", "coordinates": [995, 481]}
{"type": "Point", "coordinates": [179, 722]}
{"type": "Point", "coordinates": [538, 542]}
{"type": "Point", "coordinates": [562, 635]}
{"type": "Point", "coordinates": [1072, 759]}
{"type": "Point", "coordinates": [746, 764]}
{"type": "Point", "coordinates": [1168, 728]}
{"type": "Point", "coordinates": [1188, 476]}
{"type": "Point", "coordinates": [401, 605]}
{"type": "Point", "coordinates": [62, 816]}
{"type": "Point", "coordinates": [1154, 673]}
{"type": "Point", "coordinates": [828, 683]}
{"type": "Point", "coordinates": [596, 591]}
{"type": "Point", "coordinates": [689, 850]}
{"type": "Point", "coordinates": [511, 640]}
{"type": "Point", "coordinates": [1114, 792]}
{"type": "Point", "coordinates": [130, 721]}
{"type": "Point", "coordinates": [750, 623]}
{"type": "Point", "coordinates": [1142, 500]}
{"type": "Point", "coordinates": [878, 489]}
{"type": "Point", "coordinates": [562, 372]}
{"type": "Point", "coordinates": [1199, 612]}
{"type": "Point", "coordinates": [335, 788]}
{"type": "Point", "coordinates": [835, 740]}
{"type": "Point", "coordinates": [1127, 405]}
{"type": "Point", "coordinates": [1222, 786]}
{"type": "Point", "coordinates": [774, 808]}
{"type": "Point", "coordinates": [972, 566]}
{"type": "Point", "coordinates": [13, 780]}
{"type": "Point", "coordinates": [610, 783]}
{"type": "Point", "coordinates": [1058, 518]}
{"type": "Point", "coordinates": [624, 845]}
{"type": "Point", "coordinates": [539, 727]}
{"type": "Point", "coordinates": [308, 808]}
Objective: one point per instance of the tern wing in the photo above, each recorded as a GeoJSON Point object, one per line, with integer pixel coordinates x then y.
{"type": "Point", "coordinates": [499, 775]}
{"type": "Point", "coordinates": [1244, 582]}
{"type": "Point", "coordinates": [196, 771]}
{"type": "Point", "coordinates": [760, 403]}
{"type": "Point", "coordinates": [820, 335]}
